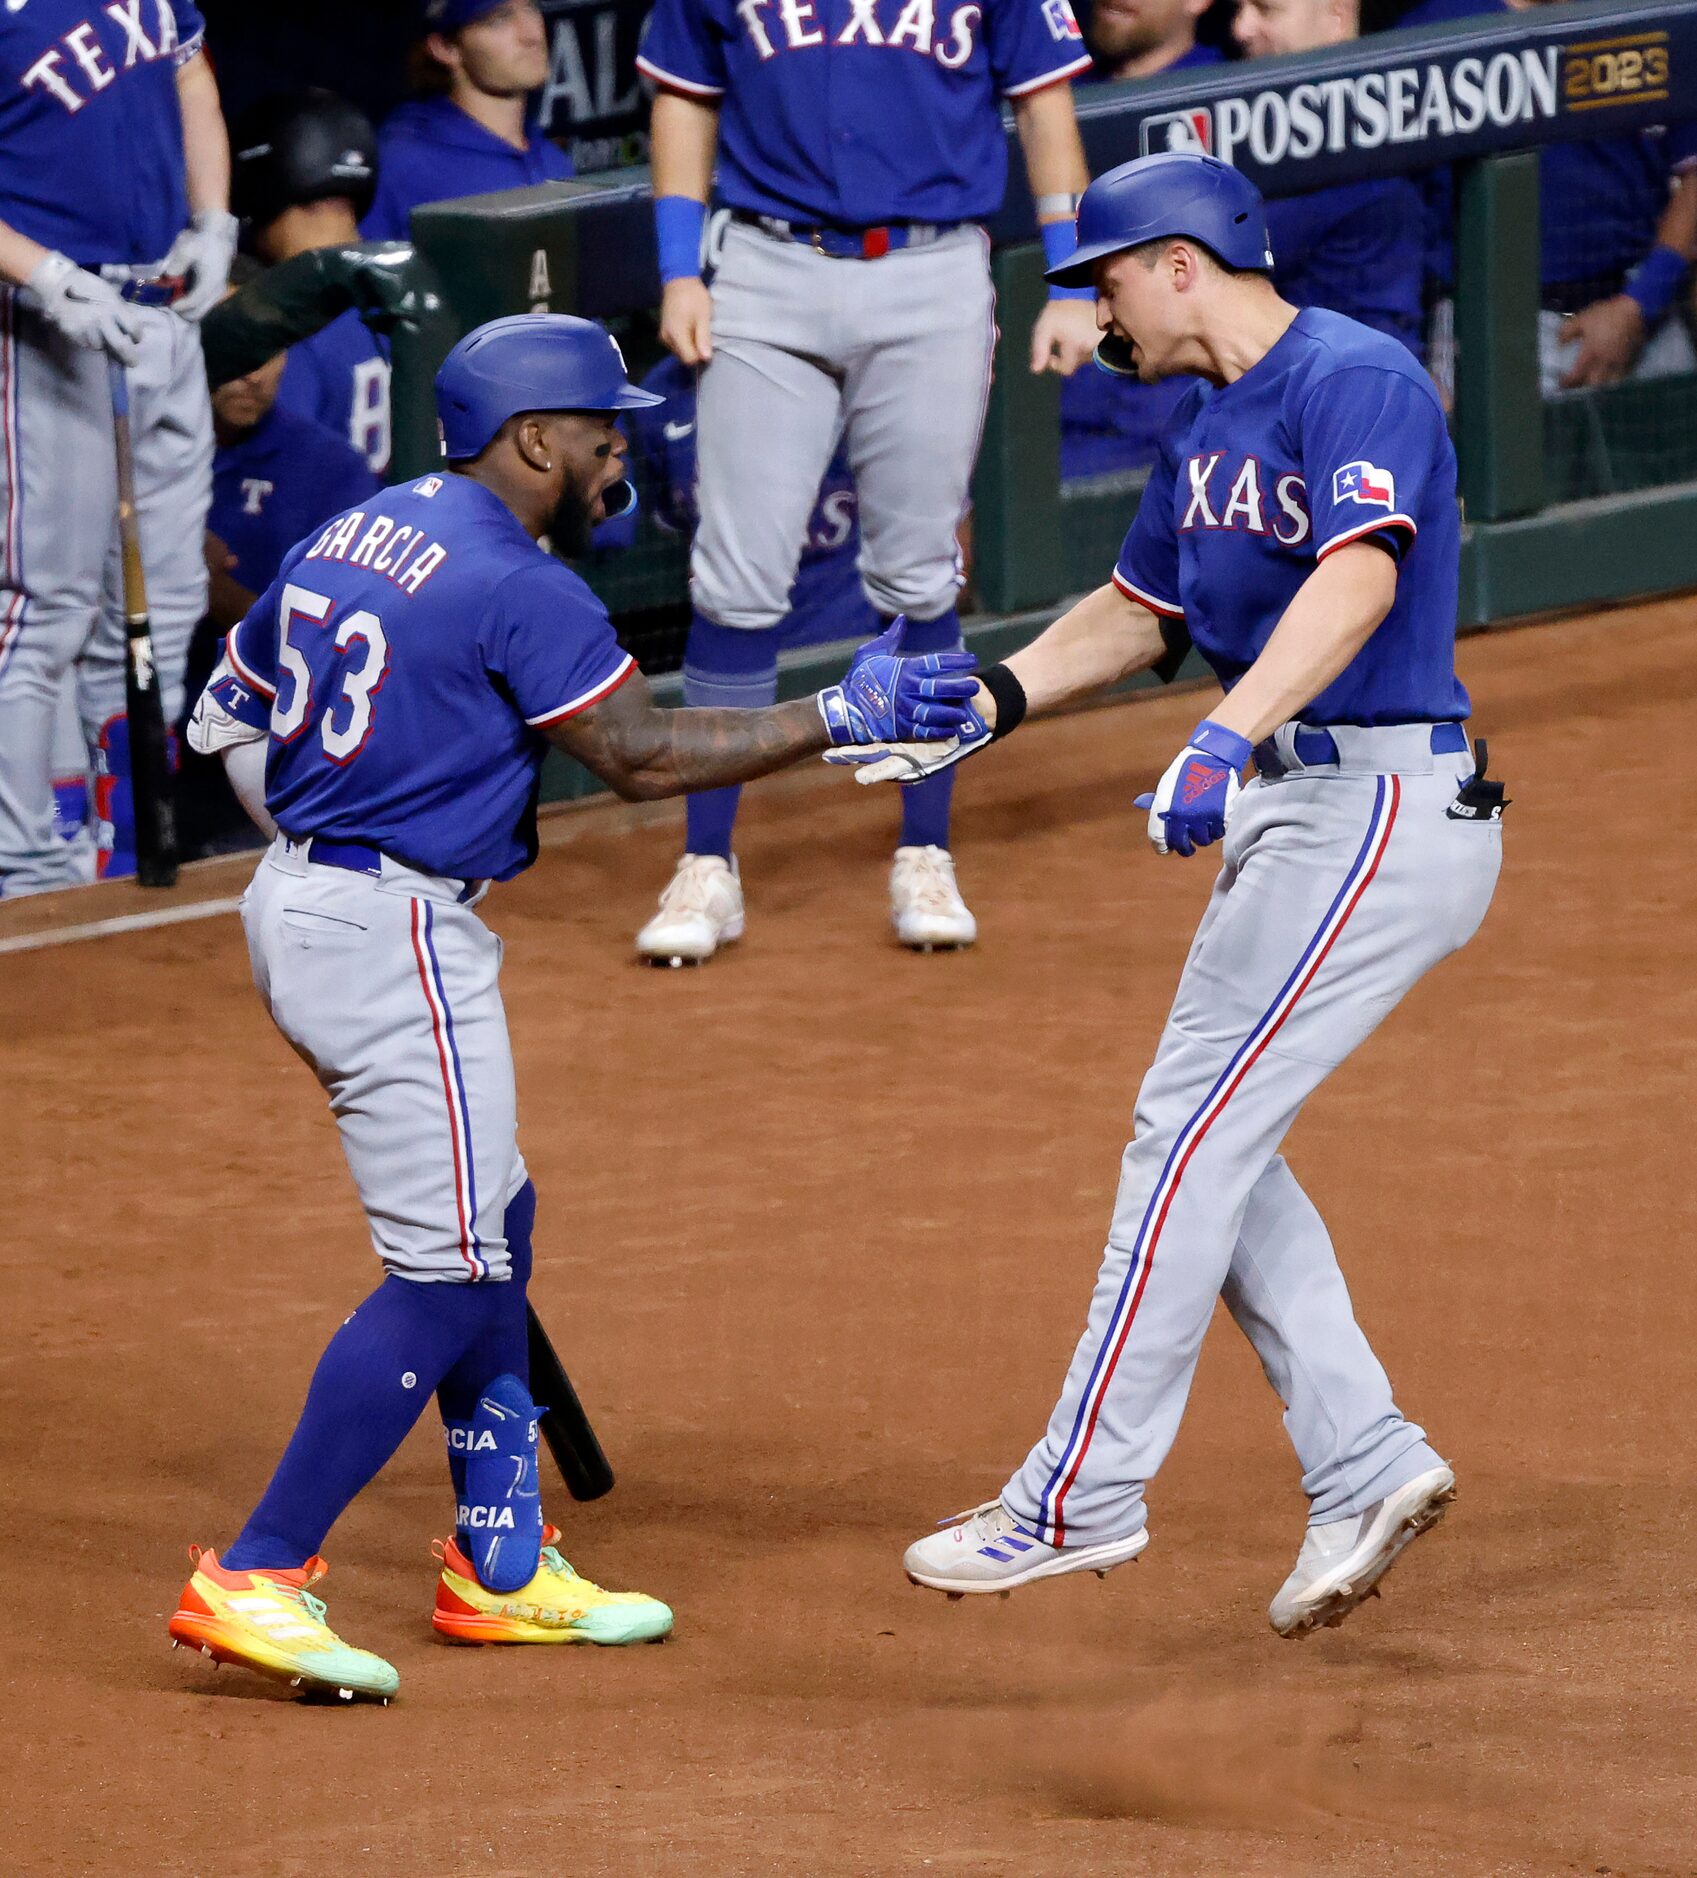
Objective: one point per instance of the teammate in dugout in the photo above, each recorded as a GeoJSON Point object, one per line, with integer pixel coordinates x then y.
{"type": "Point", "coordinates": [858, 145]}
{"type": "Point", "coordinates": [115, 239]}
{"type": "Point", "coordinates": [384, 709]}
{"type": "Point", "coordinates": [1301, 529]}
{"type": "Point", "coordinates": [304, 170]}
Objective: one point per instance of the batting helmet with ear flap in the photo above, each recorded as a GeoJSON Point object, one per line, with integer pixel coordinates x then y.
{"type": "Point", "coordinates": [300, 147]}
{"type": "Point", "coordinates": [529, 362]}
{"type": "Point", "coordinates": [1178, 193]}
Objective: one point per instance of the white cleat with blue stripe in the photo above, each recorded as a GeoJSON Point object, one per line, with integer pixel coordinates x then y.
{"type": "Point", "coordinates": [987, 1549]}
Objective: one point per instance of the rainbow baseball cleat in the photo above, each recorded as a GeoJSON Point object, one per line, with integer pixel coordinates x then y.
{"type": "Point", "coordinates": [556, 1606]}
{"type": "Point", "coordinates": [269, 1621]}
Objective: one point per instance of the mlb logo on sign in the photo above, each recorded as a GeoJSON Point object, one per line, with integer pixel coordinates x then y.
{"type": "Point", "coordinates": [1058, 17]}
{"type": "Point", "coordinates": [1191, 130]}
{"type": "Point", "coordinates": [1366, 483]}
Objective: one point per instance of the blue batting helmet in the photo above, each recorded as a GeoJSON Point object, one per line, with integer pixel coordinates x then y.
{"type": "Point", "coordinates": [1176, 193]}
{"type": "Point", "coordinates": [530, 362]}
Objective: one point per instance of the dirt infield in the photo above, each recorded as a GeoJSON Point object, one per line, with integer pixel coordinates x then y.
{"type": "Point", "coordinates": [818, 1228]}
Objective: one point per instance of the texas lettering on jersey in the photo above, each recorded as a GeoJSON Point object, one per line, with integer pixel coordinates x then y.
{"type": "Point", "coordinates": [78, 66]}
{"type": "Point", "coordinates": [1234, 498]}
{"type": "Point", "coordinates": [774, 26]}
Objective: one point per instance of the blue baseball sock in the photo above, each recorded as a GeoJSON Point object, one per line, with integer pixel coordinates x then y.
{"type": "Point", "coordinates": [503, 1349]}
{"type": "Point", "coordinates": [725, 666]}
{"type": "Point", "coordinates": [925, 806]}
{"type": "Point", "coordinates": [370, 1386]}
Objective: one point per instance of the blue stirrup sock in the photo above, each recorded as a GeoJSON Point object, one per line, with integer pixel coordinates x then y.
{"type": "Point", "coordinates": [370, 1386]}
{"type": "Point", "coordinates": [728, 667]}
{"type": "Point", "coordinates": [926, 805]}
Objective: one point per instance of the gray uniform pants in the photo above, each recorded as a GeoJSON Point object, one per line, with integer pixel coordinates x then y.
{"type": "Point", "coordinates": [1341, 885]}
{"type": "Point", "coordinates": [388, 988]}
{"type": "Point", "coordinates": [895, 354]}
{"type": "Point", "coordinates": [61, 602]}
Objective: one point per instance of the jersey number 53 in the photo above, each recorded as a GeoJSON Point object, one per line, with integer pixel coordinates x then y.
{"type": "Point", "coordinates": [315, 658]}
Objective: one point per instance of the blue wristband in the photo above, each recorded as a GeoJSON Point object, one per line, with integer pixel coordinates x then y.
{"type": "Point", "coordinates": [1655, 281]}
{"type": "Point", "coordinates": [678, 222]}
{"type": "Point", "coordinates": [1060, 242]}
{"type": "Point", "coordinates": [1226, 746]}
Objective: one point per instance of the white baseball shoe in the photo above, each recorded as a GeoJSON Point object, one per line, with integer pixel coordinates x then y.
{"type": "Point", "coordinates": [700, 910]}
{"type": "Point", "coordinates": [1341, 1563]}
{"type": "Point", "coordinates": [987, 1549]}
{"type": "Point", "coordinates": [925, 904]}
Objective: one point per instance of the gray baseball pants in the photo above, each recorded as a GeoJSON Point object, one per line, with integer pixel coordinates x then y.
{"type": "Point", "coordinates": [1341, 885]}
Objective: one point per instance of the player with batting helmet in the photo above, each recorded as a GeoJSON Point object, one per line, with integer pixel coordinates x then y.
{"type": "Point", "coordinates": [385, 708]}
{"type": "Point", "coordinates": [1300, 530]}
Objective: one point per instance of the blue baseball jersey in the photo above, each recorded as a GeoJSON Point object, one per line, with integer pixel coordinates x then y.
{"type": "Point", "coordinates": [272, 487]}
{"type": "Point", "coordinates": [1354, 249]}
{"type": "Point", "coordinates": [1335, 434]}
{"type": "Point", "coordinates": [827, 601]}
{"type": "Point", "coordinates": [91, 138]}
{"type": "Point", "coordinates": [856, 113]}
{"type": "Point", "coordinates": [412, 652]}
{"type": "Point", "coordinates": [429, 150]}
{"type": "Point", "coordinates": [339, 377]}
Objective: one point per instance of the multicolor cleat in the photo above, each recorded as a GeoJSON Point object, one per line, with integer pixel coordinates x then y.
{"type": "Point", "coordinates": [557, 1606]}
{"type": "Point", "coordinates": [269, 1621]}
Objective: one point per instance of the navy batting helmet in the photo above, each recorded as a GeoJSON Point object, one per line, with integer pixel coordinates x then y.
{"type": "Point", "coordinates": [1173, 194]}
{"type": "Point", "coordinates": [529, 362]}
{"type": "Point", "coordinates": [299, 147]}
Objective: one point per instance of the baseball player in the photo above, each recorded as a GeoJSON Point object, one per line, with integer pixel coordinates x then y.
{"type": "Point", "coordinates": [1616, 252]}
{"type": "Point", "coordinates": [1300, 528]}
{"type": "Point", "coordinates": [858, 146]}
{"type": "Point", "coordinates": [827, 601]}
{"type": "Point", "coordinates": [115, 238]}
{"type": "Point", "coordinates": [304, 170]}
{"type": "Point", "coordinates": [473, 132]}
{"type": "Point", "coordinates": [385, 708]}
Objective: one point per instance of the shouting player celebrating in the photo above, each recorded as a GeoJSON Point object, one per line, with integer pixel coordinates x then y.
{"type": "Point", "coordinates": [398, 685]}
{"type": "Point", "coordinates": [1300, 527]}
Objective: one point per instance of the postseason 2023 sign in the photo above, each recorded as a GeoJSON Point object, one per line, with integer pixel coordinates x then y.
{"type": "Point", "coordinates": [1400, 101]}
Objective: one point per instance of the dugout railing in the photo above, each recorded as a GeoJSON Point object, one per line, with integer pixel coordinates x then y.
{"type": "Point", "coordinates": [1582, 499]}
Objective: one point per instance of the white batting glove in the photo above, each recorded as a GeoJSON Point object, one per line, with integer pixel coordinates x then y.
{"type": "Point", "coordinates": [202, 254]}
{"type": "Point", "coordinates": [87, 310]}
{"type": "Point", "coordinates": [905, 762]}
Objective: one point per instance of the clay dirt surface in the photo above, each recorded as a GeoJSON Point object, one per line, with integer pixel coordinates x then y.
{"type": "Point", "coordinates": [818, 1226]}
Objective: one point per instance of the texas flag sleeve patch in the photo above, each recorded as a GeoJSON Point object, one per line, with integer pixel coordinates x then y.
{"type": "Point", "coordinates": [1365, 483]}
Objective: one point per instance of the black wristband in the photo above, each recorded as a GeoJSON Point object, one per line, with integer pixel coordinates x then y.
{"type": "Point", "coordinates": [1009, 694]}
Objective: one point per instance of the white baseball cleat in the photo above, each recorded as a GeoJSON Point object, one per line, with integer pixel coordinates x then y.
{"type": "Point", "coordinates": [700, 910]}
{"type": "Point", "coordinates": [1341, 1563]}
{"type": "Point", "coordinates": [987, 1549]}
{"type": "Point", "coordinates": [925, 904]}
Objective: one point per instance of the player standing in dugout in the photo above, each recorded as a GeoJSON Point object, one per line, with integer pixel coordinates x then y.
{"type": "Point", "coordinates": [859, 147]}
{"type": "Point", "coordinates": [115, 241]}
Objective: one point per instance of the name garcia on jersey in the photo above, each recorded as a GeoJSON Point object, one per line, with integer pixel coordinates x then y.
{"type": "Point", "coordinates": [79, 65]}
{"type": "Point", "coordinates": [404, 555]}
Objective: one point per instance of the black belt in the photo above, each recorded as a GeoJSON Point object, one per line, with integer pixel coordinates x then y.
{"type": "Point", "coordinates": [1573, 296]}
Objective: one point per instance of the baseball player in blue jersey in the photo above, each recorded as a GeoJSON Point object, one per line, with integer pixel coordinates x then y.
{"type": "Point", "coordinates": [827, 601]}
{"type": "Point", "coordinates": [475, 135]}
{"type": "Point", "coordinates": [1301, 530]}
{"type": "Point", "coordinates": [854, 147]}
{"type": "Point", "coordinates": [385, 708]}
{"type": "Point", "coordinates": [304, 171]}
{"type": "Point", "coordinates": [115, 238]}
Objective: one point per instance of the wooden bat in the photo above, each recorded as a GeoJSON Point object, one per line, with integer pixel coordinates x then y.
{"type": "Point", "coordinates": [571, 1440]}
{"type": "Point", "coordinates": [150, 750]}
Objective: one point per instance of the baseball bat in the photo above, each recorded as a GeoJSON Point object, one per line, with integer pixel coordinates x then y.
{"type": "Point", "coordinates": [150, 751]}
{"type": "Point", "coordinates": [571, 1440]}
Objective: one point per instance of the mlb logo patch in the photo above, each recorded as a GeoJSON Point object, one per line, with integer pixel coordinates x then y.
{"type": "Point", "coordinates": [1365, 483]}
{"type": "Point", "coordinates": [1191, 130]}
{"type": "Point", "coordinates": [428, 487]}
{"type": "Point", "coordinates": [1058, 17]}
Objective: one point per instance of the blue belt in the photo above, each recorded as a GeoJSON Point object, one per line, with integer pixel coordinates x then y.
{"type": "Point", "coordinates": [1315, 747]}
{"type": "Point", "coordinates": [164, 290]}
{"type": "Point", "coordinates": [360, 857]}
{"type": "Point", "coordinates": [849, 244]}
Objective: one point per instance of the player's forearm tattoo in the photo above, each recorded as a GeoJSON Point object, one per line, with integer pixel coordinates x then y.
{"type": "Point", "coordinates": [646, 753]}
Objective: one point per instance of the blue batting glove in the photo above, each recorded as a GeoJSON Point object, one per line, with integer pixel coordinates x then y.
{"type": "Point", "coordinates": [1193, 801]}
{"type": "Point", "coordinates": [886, 698]}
